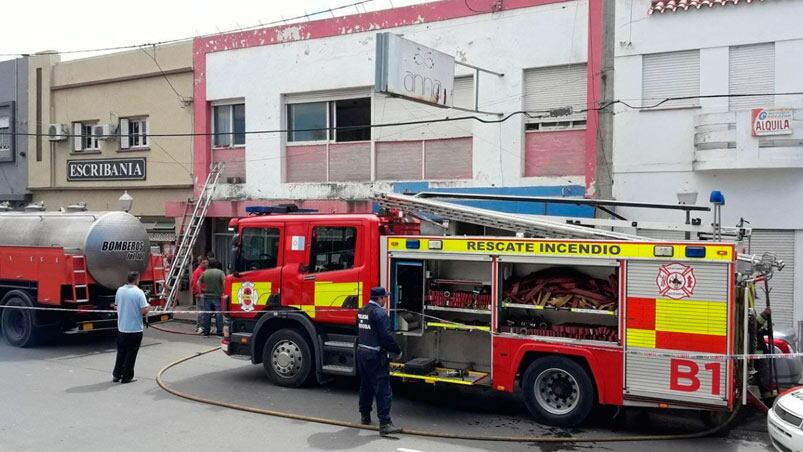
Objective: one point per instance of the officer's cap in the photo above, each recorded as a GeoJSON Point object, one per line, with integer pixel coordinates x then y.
{"type": "Point", "coordinates": [377, 292]}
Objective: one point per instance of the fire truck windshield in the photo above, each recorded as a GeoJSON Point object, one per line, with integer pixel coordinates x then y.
{"type": "Point", "coordinates": [258, 250]}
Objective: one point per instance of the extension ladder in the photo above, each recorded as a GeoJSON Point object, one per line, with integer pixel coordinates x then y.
{"type": "Point", "coordinates": [188, 234]}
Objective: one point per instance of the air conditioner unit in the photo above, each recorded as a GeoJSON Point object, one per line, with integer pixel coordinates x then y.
{"type": "Point", "coordinates": [57, 132]}
{"type": "Point", "coordinates": [103, 131]}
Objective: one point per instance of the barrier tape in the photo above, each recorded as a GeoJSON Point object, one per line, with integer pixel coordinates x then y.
{"type": "Point", "coordinates": [702, 356]}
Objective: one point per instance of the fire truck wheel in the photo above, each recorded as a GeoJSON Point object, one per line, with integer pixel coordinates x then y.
{"type": "Point", "coordinates": [558, 391]}
{"type": "Point", "coordinates": [287, 358]}
{"type": "Point", "coordinates": [18, 324]}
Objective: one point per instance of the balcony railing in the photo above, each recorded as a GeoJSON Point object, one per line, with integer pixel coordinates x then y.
{"type": "Point", "coordinates": [726, 141]}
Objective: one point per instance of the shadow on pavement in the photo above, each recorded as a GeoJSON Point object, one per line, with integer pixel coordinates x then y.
{"type": "Point", "coordinates": [347, 438]}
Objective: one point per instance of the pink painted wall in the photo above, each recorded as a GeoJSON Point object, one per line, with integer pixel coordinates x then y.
{"type": "Point", "coordinates": [559, 153]}
{"type": "Point", "coordinates": [305, 163]}
{"type": "Point", "coordinates": [234, 158]}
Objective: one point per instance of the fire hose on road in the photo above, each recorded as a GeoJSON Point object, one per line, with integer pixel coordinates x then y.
{"type": "Point", "coordinates": [425, 433]}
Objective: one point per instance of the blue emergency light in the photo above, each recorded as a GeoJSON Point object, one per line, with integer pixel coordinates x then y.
{"type": "Point", "coordinates": [695, 251]}
{"type": "Point", "coordinates": [413, 244]}
{"type": "Point", "coordinates": [717, 198]}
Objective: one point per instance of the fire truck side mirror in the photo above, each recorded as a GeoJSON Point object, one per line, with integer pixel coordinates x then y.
{"type": "Point", "coordinates": [303, 268]}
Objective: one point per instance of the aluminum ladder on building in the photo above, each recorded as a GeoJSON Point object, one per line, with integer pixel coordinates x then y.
{"type": "Point", "coordinates": [188, 234]}
{"type": "Point", "coordinates": [524, 224]}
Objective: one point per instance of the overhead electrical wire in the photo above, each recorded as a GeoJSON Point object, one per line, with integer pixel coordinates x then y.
{"type": "Point", "coordinates": [177, 40]}
{"type": "Point", "coordinates": [530, 114]}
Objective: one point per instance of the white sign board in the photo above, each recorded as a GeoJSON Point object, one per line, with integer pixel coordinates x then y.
{"type": "Point", "coordinates": [410, 70]}
{"type": "Point", "coordinates": [771, 121]}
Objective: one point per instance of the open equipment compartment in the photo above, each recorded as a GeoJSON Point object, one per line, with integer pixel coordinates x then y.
{"type": "Point", "coordinates": [551, 297]}
{"type": "Point", "coordinates": [443, 315]}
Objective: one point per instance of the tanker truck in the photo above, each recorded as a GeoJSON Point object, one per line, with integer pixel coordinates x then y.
{"type": "Point", "coordinates": [74, 261]}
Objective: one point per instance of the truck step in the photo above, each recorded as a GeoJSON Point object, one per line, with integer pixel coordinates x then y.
{"type": "Point", "coordinates": [338, 370]}
{"type": "Point", "coordinates": [339, 345]}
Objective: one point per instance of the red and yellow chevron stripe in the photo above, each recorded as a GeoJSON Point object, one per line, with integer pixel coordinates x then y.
{"type": "Point", "coordinates": [691, 325]}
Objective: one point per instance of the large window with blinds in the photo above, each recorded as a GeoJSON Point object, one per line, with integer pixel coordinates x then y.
{"type": "Point", "coordinates": [556, 87]}
{"type": "Point", "coordinates": [671, 75]}
{"type": "Point", "coordinates": [751, 70]}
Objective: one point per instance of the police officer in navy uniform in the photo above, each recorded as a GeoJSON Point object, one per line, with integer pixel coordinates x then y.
{"type": "Point", "coordinates": [375, 341]}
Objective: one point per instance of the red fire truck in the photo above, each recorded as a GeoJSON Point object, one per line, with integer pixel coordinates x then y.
{"type": "Point", "coordinates": [570, 322]}
{"type": "Point", "coordinates": [73, 261]}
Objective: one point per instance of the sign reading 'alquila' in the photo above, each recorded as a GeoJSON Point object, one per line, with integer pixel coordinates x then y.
{"type": "Point", "coordinates": [106, 169]}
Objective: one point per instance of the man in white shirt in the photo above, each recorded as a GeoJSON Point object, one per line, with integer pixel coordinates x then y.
{"type": "Point", "coordinates": [131, 306]}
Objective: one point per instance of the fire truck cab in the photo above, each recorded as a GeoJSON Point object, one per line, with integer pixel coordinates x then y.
{"type": "Point", "coordinates": [570, 323]}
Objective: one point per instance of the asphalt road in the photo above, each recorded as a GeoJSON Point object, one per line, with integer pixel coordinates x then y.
{"type": "Point", "coordinates": [61, 396]}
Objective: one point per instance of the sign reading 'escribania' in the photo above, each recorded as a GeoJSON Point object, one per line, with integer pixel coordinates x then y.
{"type": "Point", "coordinates": [106, 169]}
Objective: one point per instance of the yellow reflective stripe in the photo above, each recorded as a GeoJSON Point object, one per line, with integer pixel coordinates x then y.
{"type": "Point", "coordinates": [331, 294]}
{"type": "Point", "coordinates": [514, 247]}
{"type": "Point", "coordinates": [262, 291]}
{"type": "Point", "coordinates": [640, 338]}
{"type": "Point", "coordinates": [691, 316]}
{"type": "Point", "coordinates": [307, 308]}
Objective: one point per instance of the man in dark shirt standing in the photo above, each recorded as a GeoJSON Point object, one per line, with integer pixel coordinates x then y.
{"type": "Point", "coordinates": [375, 341]}
{"type": "Point", "coordinates": [212, 281]}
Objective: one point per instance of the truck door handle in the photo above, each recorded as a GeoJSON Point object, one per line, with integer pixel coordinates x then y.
{"type": "Point", "coordinates": [309, 278]}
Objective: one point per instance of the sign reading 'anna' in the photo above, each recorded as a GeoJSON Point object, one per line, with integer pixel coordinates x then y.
{"type": "Point", "coordinates": [106, 169]}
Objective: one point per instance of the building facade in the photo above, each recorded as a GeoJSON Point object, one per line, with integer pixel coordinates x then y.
{"type": "Point", "coordinates": [98, 122]}
{"type": "Point", "coordinates": [262, 98]}
{"type": "Point", "coordinates": [13, 127]}
{"type": "Point", "coordinates": [689, 128]}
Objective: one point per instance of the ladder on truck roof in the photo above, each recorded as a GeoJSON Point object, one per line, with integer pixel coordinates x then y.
{"type": "Point", "coordinates": [524, 224]}
{"type": "Point", "coordinates": [555, 226]}
{"type": "Point", "coordinates": [188, 234]}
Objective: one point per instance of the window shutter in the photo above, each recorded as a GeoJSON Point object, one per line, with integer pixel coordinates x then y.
{"type": "Point", "coordinates": [671, 74]}
{"type": "Point", "coordinates": [751, 69]}
{"type": "Point", "coordinates": [77, 144]}
{"type": "Point", "coordinates": [146, 140]}
{"type": "Point", "coordinates": [555, 87]}
{"type": "Point", "coordinates": [124, 140]}
{"type": "Point", "coordinates": [463, 93]}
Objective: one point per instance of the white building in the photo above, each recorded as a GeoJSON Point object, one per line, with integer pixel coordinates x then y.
{"type": "Point", "coordinates": [699, 144]}
{"type": "Point", "coordinates": [321, 73]}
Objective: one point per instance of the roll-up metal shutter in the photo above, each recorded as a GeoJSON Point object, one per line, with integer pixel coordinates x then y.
{"type": "Point", "coordinates": [671, 74]}
{"type": "Point", "coordinates": [751, 69]}
{"type": "Point", "coordinates": [321, 96]}
{"type": "Point", "coordinates": [464, 92]}
{"type": "Point", "coordinates": [659, 322]}
{"type": "Point", "coordinates": [782, 296]}
{"type": "Point", "coordinates": [669, 236]}
{"type": "Point", "coordinates": [555, 87]}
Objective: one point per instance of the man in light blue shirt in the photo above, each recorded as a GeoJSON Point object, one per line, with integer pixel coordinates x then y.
{"type": "Point", "coordinates": [131, 306]}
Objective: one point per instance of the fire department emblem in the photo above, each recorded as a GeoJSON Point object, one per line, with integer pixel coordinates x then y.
{"type": "Point", "coordinates": [676, 281]}
{"type": "Point", "coordinates": [248, 296]}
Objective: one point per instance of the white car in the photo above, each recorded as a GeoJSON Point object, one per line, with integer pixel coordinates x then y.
{"type": "Point", "coordinates": [785, 421]}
